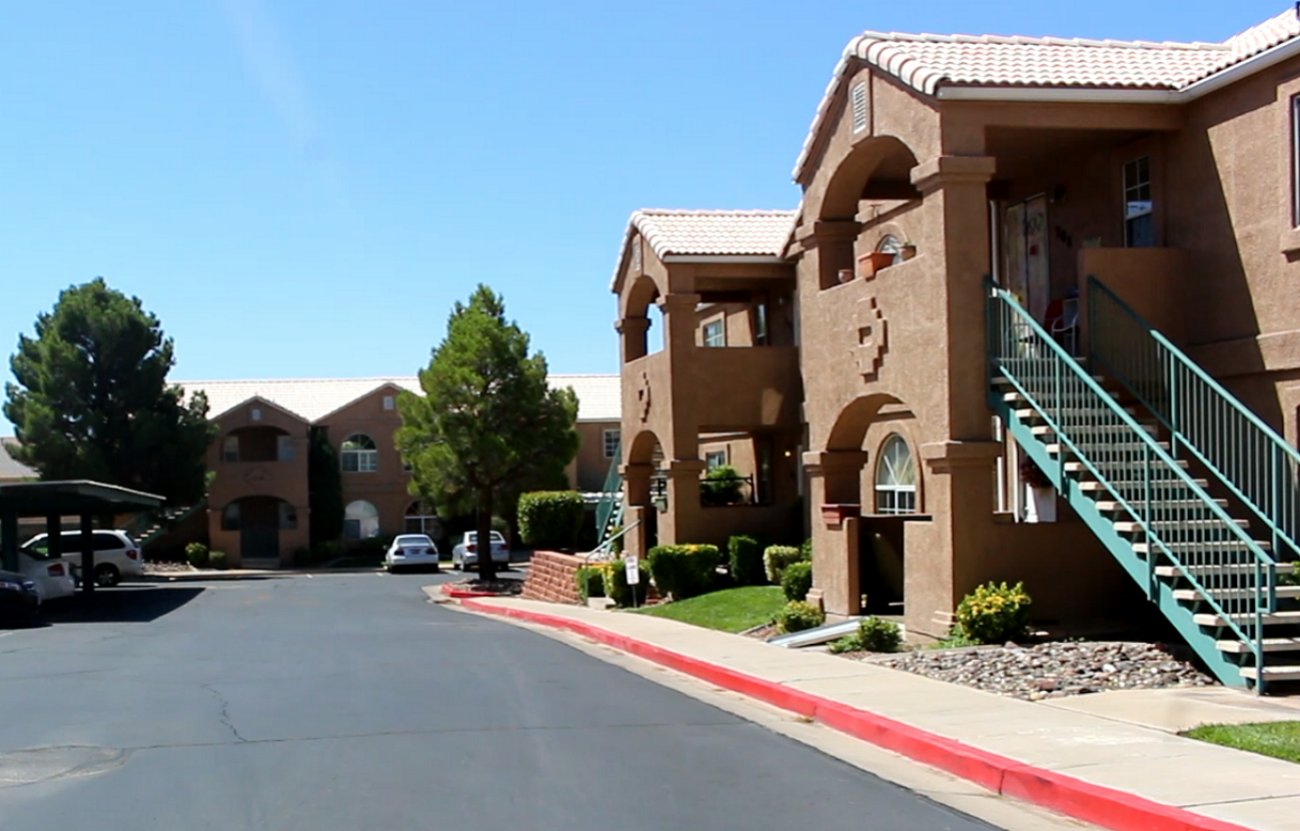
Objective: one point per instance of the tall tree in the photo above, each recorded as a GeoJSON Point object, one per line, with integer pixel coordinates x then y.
{"type": "Point", "coordinates": [487, 421]}
{"type": "Point", "coordinates": [92, 399]}
{"type": "Point", "coordinates": [324, 488]}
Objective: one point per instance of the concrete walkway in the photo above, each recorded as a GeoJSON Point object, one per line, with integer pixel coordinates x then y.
{"type": "Point", "coordinates": [1112, 759]}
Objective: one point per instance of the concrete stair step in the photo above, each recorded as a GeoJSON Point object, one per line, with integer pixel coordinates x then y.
{"type": "Point", "coordinates": [1286, 672]}
{"type": "Point", "coordinates": [1268, 619]}
{"type": "Point", "coordinates": [1130, 527]}
{"type": "Point", "coordinates": [1213, 546]}
{"type": "Point", "coordinates": [1268, 644]}
{"type": "Point", "coordinates": [1223, 569]}
{"type": "Point", "coordinates": [1244, 593]}
{"type": "Point", "coordinates": [1105, 465]}
{"type": "Point", "coordinates": [1162, 504]}
{"type": "Point", "coordinates": [1165, 485]}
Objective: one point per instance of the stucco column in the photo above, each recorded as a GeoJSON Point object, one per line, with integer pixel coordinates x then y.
{"type": "Point", "coordinates": [636, 496]}
{"type": "Point", "coordinates": [942, 557]}
{"type": "Point", "coordinates": [834, 479]}
{"type": "Point", "coordinates": [683, 519]}
{"type": "Point", "coordinates": [679, 345]}
{"type": "Point", "coordinates": [632, 337]}
{"type": "Point", "coordinates": [830, 244]}
{"type": "Point", "coordinates": [955, 215]}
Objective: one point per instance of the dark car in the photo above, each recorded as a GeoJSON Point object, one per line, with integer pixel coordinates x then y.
{"type": "Point", "coordinates": [18, 598]}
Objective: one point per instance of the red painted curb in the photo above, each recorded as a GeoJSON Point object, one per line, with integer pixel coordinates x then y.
{"type": "Point", "coordinates": [465, 593]}
{"type": "Point", "coordinates": [1067, 795]}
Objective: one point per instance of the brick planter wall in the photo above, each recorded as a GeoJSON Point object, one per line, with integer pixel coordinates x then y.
{"type": "Point", "coordinates": [552, 577]}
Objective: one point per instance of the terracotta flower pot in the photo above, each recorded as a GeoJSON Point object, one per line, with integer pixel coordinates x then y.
{"type": "Point", "coordinates": [874, 261]}
{"type": "Point", "coordinates": [907, 252]}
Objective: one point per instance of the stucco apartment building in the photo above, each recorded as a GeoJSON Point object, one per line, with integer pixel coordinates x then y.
{"type": "Point", "coordinates": [1016, 261]}
{"type": "Point", "coordinates": [258, 508]}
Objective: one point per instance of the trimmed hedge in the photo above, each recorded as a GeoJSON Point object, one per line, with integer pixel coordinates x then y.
{"type": "Point", "coordinates": [683, 570]}
{"type": "Point", "coordinates": [197, 554]}
{"type": "Point", "coordinates": [217, 560]}
{"type": "Point", "coordinates": [776, 558]}
{"type": "Point", "coordinates": [745, 560]}
{"type": "Point", "coordinates": [550, 519]}
{"type": "Point", "coordinates": [797, 581]}
{"type": "Point", "coordinates": [614, 578]}
{"type": "Point", "coordinates": [591, 582]}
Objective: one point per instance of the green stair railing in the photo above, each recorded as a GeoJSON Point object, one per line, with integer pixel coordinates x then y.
{"type": "Point", "coordinates": [1252, 461]}
{"type": "Point", "coordinates": [611, 494]}
{"type": "Point", "coordinates": [1181, 524]}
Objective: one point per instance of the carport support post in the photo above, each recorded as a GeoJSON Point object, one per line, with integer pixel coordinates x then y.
{"type": "Point", "coordinates": [54, 536]}
{"type": "Point", "coordinates": [87, 555]}
{"type": "Point", "coordinates": [9, 540]}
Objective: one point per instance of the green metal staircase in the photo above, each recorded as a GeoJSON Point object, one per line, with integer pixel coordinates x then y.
{"type": "Point", "coordinates": [609, 511]}
{"type": "Point", "coordinates": [148, 528]}
{"type": "Point", "coordinates": [1129, 477]}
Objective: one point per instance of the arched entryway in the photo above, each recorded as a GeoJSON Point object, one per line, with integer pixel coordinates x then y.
{"type": "Point", "coordinates": [260, 522]}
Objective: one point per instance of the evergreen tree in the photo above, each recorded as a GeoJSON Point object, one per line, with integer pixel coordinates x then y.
{"type": "Point", "coordinates": [92, 399]}
{"type": "Point", "coordinates": [487, 421]}
{"type": "Point", "coordinates": [324, 488]}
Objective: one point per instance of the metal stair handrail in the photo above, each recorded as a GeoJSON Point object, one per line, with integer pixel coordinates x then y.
{"type": "Point", "coordinates": [1252, 461]}
{"type": "Point", "coordinates": [611, 492]}
{"type": "Point", "coordinates": [1018, 340]}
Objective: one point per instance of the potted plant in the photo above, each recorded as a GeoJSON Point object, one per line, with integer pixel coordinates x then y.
{"type": "Point", "coordinates": [873, 261]}
{"type": "Point", "coordinates": [907, 250]}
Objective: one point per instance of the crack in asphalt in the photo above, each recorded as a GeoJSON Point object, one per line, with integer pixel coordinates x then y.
{"type": "Point", "coordinates": [224, 715]}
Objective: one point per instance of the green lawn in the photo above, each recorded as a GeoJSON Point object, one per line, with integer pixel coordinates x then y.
{"type": "Point", "coordinates": [1280, 739]}
{"type": "Point", "coordinates": [730, 610]}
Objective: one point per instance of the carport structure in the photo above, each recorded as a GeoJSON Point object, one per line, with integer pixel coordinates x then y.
{"type": "Point", "coordinates": [55, 500]}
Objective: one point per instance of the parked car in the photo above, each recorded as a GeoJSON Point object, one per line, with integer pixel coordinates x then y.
{"type": "Point", "coordinates": [409, 551]}
{"type": "Point", "coordinates": [116, 554]}
{"type": "Point", "coordinates": [465, 554]}
{"type": "Point", "coordinates": [19, 599]}
{"type": "Point", "coordinates": [52, 577]}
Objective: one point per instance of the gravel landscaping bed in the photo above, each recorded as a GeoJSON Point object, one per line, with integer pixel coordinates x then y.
{"type": "Point", "coordinates": [1050, 670]}
{"type": "Point", "coordinates": [167, 568]}
{"type": "Point", "coordinates": [502, 587]}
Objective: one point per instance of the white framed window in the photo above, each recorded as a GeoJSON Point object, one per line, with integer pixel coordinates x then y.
{"type": "Point", "coordinates": [360, 521]}
{"type": "Point", "coordinates": [421, 518]}
{"type": "Point", "coordinates": [610, 440]}
{"type": "Point", "coordinates": [889, 244]}
{"type": "Point", "coordinates": [255, 414]}
{"type": "Point", "coordinates": [895, 477]}
{"type": "Point", "coordinates": [715, 458]}
{"type": "Point", "coordinates": [389, 403]}
{"type": "Point", "coordinates": [1295, 161]}
{"type": "Point", "coordinates": [359, 454]}
{"type": "Point", "coordinates": [715, 333]}
{"type": "Point", "coordinates": [230, 449]}
{"type": "Point", "coordinates": [1139, 213]}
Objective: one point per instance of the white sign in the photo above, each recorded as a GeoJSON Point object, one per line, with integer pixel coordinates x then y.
{"type": "Point", "coordinates": [633, 570]}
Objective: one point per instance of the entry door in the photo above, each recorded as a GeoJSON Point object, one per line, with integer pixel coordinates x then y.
{"type": "Point", "coordinates": [259, 542]}
{"type": "Point", "coordinates": [1025, 242]}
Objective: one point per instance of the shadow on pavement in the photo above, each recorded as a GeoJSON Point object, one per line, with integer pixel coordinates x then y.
{"type": "Point", "coordinates": [121, 605]}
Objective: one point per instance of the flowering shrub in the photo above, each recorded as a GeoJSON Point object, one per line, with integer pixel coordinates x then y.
{"type": "Point", "coordinates": [797, 616]}
{"type": "Point", "coordinates": [994, 613]}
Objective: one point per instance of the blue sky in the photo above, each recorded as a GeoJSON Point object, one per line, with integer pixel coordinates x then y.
{"type": "Point", "coordinates": [301, 188]}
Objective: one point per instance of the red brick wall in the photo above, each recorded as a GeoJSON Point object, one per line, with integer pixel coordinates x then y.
{"type": "Point", "coordinates": [553, 577]}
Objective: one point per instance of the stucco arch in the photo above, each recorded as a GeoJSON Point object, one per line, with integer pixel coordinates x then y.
{"type": "Point", "coordinates": [639, 294]}
{"type": "Point", "coordinates": [641, 451]}
{"type": "Point", "coordinates": [851, 425]}
{"type": "Point", "coordinates": [879, 167]}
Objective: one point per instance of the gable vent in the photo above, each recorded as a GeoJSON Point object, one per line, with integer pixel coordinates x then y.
{"type": "Point", "coordinates": [858, 97]}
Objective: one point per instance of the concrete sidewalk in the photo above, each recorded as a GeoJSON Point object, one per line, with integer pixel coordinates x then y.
{"type": "Point", "coordinates": [1112, 759]}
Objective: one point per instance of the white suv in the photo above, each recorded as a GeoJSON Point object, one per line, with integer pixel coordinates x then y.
{"type": "Point", "coordinates": [116, 554]}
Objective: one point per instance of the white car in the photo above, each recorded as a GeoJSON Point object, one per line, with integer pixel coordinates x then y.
{"type": "Point", "coordinates": [465, 554]}
{"type": "Point", "coordinates": [53, 578]}
{"type": "Point", "coordinates": [409, 551]}
{"type": "Point", "coordinates": [116, 554]}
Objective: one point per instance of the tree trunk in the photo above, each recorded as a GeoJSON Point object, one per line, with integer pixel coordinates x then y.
{"type": "Point", "coordinates": [487, 569]}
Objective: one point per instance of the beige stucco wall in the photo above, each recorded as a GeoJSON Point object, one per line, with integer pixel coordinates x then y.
{"type": "Point", "coordinates": [386, 487]}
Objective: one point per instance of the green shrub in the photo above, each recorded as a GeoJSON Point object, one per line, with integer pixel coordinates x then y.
{"type": "Point", "coordinates": [550, 519]}
{"type": "Point", "coordinates": [614, 580]}
{"type": "Point", "coordinates": [217, 560]}
{"type": "Point", "coordinates": [848, 643]}
{"type": "Point", "coordinates": [994, 613]}
{"type": "Point", "coordinates": [878, 635]}
{"type": "Point", "coordinates": [373, 546]}
{"type": "Point", "coordinates": [797, 616]}
{"type": "Point", "coordinates": [797, 580]}
{"type": "Point", "coordinates": [591, 582]}
{"type": "Point", "coordinates": [721, 486]}
{"type": "Point", "coordinates": [323, 552]}
{"type": "Point", "coordinates": [745, 560]}
{"type": "Point", "coordinates": [683, 570]}
{"type": "Point", "coordinates": [805, 549]}
{"type": "Point", "coordinates": [302, 556]}
{"type": "Point", "coordinates": [776, 558]}
{"type": "Point", "coordinates": [197, 554]}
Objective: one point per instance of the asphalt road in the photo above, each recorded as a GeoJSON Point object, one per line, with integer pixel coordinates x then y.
{"type": "Point", "coordinates": [348, 702]}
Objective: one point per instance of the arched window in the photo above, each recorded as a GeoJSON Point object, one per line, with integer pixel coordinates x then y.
{"type": "Point", "coordinates": [359, 454]}
{"type": "Point", "coordinates": [889, 244]}
{"type": "Point", "coordinates": [360, 521]}
{"type": "Point", "coordinates": [895, 477]}
{"type": "Point", "coordinates": [230, 517]}
{"type": "Point", "coordinates": [421, 518]}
